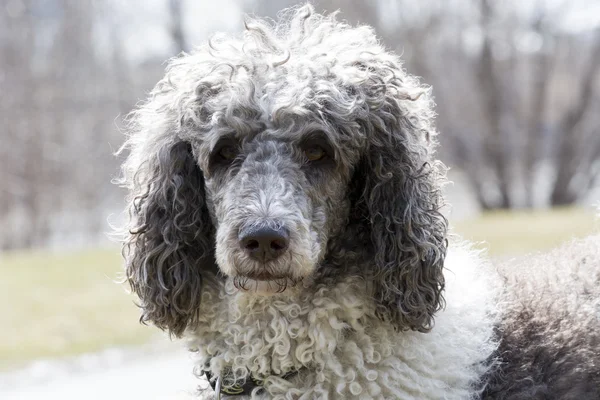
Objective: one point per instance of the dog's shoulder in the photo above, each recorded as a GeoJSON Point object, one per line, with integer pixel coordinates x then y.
{"type": "Point", "coordinates": [549, 329]}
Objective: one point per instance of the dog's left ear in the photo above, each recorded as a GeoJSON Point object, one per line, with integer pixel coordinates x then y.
{"type": "Point", "coordinates": [397, 190]}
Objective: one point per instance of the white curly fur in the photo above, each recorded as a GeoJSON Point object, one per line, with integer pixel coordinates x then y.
{"type": "Point", "coordinates": [351, 353]}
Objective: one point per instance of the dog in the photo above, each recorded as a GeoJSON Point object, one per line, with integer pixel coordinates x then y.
{"type": "Point", "coordinates": [286, 220]}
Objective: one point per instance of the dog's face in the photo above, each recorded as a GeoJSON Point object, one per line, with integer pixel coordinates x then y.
{"type": "Point", "coordinates": [254, 155]}
{"type": "Point", "coordinates": [276, 195]}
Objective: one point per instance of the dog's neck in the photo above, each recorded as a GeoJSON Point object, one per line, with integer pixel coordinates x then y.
{"type": "Point", "coordinates": [273, 335]}
{"type": "Point", "coordinates": [329, 332]}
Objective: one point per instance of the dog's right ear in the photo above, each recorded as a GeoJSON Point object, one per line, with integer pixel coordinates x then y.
{"type": "Point", "coordinates": [169, 241]}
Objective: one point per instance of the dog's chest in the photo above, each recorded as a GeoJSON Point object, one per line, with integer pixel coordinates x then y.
{"type": "Point", "coordinates": [273, 336]}
{"type": "Point", "coordinates": [339, 347]}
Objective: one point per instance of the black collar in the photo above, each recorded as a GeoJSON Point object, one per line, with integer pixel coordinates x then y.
{"type": "Point", "coordinates": [241, 390]}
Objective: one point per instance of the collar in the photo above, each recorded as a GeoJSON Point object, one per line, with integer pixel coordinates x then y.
{"type": "Point", "coordinates": [239, 390]}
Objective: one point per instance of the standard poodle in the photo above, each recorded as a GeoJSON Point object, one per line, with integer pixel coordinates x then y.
{"type": "Point", "coordinates": [285, 220]}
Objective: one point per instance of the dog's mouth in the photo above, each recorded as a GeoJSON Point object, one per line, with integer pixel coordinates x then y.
{"type": "Point", "coordinates": [264, 282]}
{"type": "Point", "coordinates": [265, 276]}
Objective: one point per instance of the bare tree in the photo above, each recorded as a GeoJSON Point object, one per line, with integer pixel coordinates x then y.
{"type": "Point", "coordinates": [575, 151]}
{"type": "Point", "coordinates": [176, 26]}
{"type": "Point", "coordinates": [57, 121]}
{"type": "Point", "coordinates": [23, 157]}
{"type": "Point", "coordinates": [496, 148]}
{"type": "Point", "coordinates": [541, 69]}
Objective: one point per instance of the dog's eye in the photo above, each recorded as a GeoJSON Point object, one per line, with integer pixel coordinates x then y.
{"type": "Point", "coordinates": [315, 153]}
{"type": "Point", "coordinates": [228, 153]}
{"type": "Point", "coordinates": [224, 154]}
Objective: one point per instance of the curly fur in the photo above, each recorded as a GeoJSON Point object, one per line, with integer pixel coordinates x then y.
{"type": "Point", "coordinates": [352, 354]}
{"type": "Point", "coordinates": [550, 347]}
{"type": "Point", "coordinates": [351, 302]}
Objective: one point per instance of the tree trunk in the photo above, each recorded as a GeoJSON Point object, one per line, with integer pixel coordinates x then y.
{"type": "Point", "coordinates": [495, 141]}
{"type": "Point", "coordinates": [541, 75]}
{"type": "Point", "coordinates": [176, 13]}
{"type": "Point", "coordinates": [567, 150]}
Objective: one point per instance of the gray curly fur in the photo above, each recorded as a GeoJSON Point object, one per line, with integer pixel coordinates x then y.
{"type": "Point", "coordinates": [550, 336]}
{"type": "Point", "coordinates": [171, 236]}
{"type": "Point", "coordinates": [370, 210]}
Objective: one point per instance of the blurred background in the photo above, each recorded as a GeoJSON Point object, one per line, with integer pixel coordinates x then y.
{"type": "Point", "coordinates": [517, 85]}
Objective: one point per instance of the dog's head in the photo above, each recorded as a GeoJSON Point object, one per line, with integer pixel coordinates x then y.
{"type": "Point", "coordinates": [267, 158]}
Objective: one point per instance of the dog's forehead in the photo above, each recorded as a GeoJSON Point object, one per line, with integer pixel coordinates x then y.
{"type": "Point", "coordinates": [289, 118]}
{"type": "Point", "coordinates": [300, 87]}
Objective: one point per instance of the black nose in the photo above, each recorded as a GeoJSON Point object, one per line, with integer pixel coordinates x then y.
{"type": "Point", "coordinates": [264, 244]}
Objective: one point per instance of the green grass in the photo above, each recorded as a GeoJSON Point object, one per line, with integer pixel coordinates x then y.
{"type": "Point", "coordinates": [64, 304]}
{"type": "Point", "coordinates": [507, 233]}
